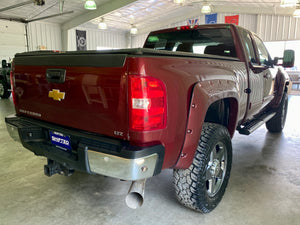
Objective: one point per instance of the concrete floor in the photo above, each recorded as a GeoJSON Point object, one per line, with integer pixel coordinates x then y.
{"type": "Point", "coordinates": [264, 187]}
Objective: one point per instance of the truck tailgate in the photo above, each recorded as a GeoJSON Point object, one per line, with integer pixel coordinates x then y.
{"type": "Point", "coordinates": [86, 91]}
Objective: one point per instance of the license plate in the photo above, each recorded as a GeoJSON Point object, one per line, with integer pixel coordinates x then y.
{"type": "Point", "coordinates": [60, 140]}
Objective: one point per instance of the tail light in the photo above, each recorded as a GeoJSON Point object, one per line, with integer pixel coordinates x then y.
{"type": "Point", "coordinates": [147, 104]}
{"type": "Point", "coordinates": [12, 87]}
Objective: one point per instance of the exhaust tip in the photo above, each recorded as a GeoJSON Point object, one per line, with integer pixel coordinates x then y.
{"type": "Point", "coordinates": [134, 200]}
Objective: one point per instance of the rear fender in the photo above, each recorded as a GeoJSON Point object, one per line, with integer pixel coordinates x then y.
{"type": "Point", "coordinates": [198, 107]}
{"type": "Point", "coordinates": [281, 81]}
{"type": "Point", "coordinates": [200, 101]}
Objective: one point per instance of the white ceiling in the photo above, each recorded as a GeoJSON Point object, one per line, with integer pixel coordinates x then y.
{"type": "Point", "coordinates": [120, 14]}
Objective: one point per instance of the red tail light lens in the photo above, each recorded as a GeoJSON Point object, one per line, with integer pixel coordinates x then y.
{"type": "Point", "coordinates": [12, 87]}
{"type": "Point", "coordinates": [147, 104]}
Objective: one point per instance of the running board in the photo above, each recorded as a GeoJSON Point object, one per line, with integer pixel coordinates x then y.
{"type": "Point", "coordinates": [255, 123]}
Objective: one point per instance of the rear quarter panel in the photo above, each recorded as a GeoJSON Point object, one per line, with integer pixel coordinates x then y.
{"type": "Point", "coordinates": [215, 79]}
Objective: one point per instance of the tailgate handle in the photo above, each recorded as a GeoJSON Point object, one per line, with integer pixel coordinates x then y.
{"type": "Point", "coordinates": [56, 75]}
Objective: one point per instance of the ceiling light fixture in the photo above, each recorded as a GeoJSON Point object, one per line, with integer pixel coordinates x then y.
{"type": "Point", "coordinates": [206, 9]}
{"type": "Point", "coordinates": [90, 5]}
{"type": "Point", "coordinates": [296, 13]}
{"type": "Point", "coordinates": [102, 25]}
{"type": "Point", "coordinates": [133, 30]}
{"type": "Point", "coordinates": [178, 1]}
{"type": "Point", "coordinates": [288, 3]}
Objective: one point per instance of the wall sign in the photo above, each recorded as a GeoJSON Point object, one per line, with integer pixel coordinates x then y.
{"type": "Point", "coordinates": [81, 40]}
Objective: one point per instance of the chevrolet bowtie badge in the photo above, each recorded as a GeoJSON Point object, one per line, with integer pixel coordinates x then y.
{"type": "Point", "coordinates": [56, 95]}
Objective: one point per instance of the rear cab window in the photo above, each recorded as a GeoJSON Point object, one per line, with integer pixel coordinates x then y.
{"type": "Point", "coordinates": [217, 41]}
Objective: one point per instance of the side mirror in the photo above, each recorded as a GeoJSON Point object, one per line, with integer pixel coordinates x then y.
{"type": "Point", "coordinates": [288, 58]}
{"type": "Point", "coordinates": [4, 63]}
{"type": "Point", "coordinates": [275, 61]}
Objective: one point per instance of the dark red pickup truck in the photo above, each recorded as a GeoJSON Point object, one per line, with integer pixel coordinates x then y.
{"type": "Point", "coordinates": [131, 113]}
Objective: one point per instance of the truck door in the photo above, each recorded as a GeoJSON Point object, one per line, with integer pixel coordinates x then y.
{"type": "Point", "coordinates": [255, 80]}
{"type": "Point", "coordinates": [260, 75]}
{"type": "Point", "coordinates": [267, 71]}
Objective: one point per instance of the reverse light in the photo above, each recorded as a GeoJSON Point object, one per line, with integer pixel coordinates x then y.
{"type": "Point", "coordinates": [147, 104]}
{"type": "Point", "coordinates": [141, 103]}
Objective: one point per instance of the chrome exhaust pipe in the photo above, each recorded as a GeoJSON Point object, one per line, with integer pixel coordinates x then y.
{"type": "Point", "coordinates": [135, 196]}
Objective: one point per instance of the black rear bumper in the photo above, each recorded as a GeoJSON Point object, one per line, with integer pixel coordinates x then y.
{"type": "Point", "coordinates": [89, 152]}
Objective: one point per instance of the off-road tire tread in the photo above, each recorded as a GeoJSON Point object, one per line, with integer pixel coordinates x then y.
{"type": "Point", "coordinates": [274, 125]}
{"type": "Point", "coordinates": [6, 93]}
{"type": "Point", "coordinates": [187, 182]}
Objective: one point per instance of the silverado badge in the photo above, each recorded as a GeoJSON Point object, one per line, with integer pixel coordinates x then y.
{"type": "Point", "coordinates": [56, 95]}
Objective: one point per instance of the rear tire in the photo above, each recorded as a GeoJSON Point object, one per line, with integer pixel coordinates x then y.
{"type": "Point", "coordinates": [202, 186]}
{"type": "Point", "coordinates": [4, 92]}
{"type": "Point", "coordinates": [276, 124]}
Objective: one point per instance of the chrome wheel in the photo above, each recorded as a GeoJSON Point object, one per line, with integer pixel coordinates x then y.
{"type": "Point", "coordinates": [216, 169]}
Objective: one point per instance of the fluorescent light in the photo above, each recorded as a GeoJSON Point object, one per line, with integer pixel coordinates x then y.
{"type": "Point", "coordinates": [206, 9]}
{"type": "Point", "coordinates": [90, 5]}
{"type": "Point", "coordinates": [102, 25]}
{"type": "Point", "coordinates": [133, 30]}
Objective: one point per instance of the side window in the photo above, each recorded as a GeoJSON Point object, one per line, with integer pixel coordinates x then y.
{"type": "Point", "coordinates": [262, 51]}
{"type": "Point", "coordinates": [249, 47]}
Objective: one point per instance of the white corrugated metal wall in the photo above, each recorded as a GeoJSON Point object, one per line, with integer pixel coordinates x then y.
{"type": "Point", "coordinates": [268, 27]}
{"type": "Point", "coordinates": [138, 40]}
{"type": "Point", "coordinates": [278, 28]}
{"type": "Point", "coordinates": [98, 38]}
{"type": "Point", "coordinates": [44, 36]}
{"type": "Point", "coordinates": [12, 39]}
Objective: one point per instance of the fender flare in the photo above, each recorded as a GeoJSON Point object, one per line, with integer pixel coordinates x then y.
{"type": "Point", "coordinates": [281, 80]}
{"type": "Point", "coordinates": [200, 102]}
{"type": "Point", "coordinates": [198, 107]}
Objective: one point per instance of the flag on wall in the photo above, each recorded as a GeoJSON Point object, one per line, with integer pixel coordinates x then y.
{"type": "Point", "coordinates": [232, 19]}
{"type": "Point", "coordinates": [193, 22]}
{"type": "Point", "coordinates": [81, 40]}
{"type": "Point", "coordinates": [211, 18]}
